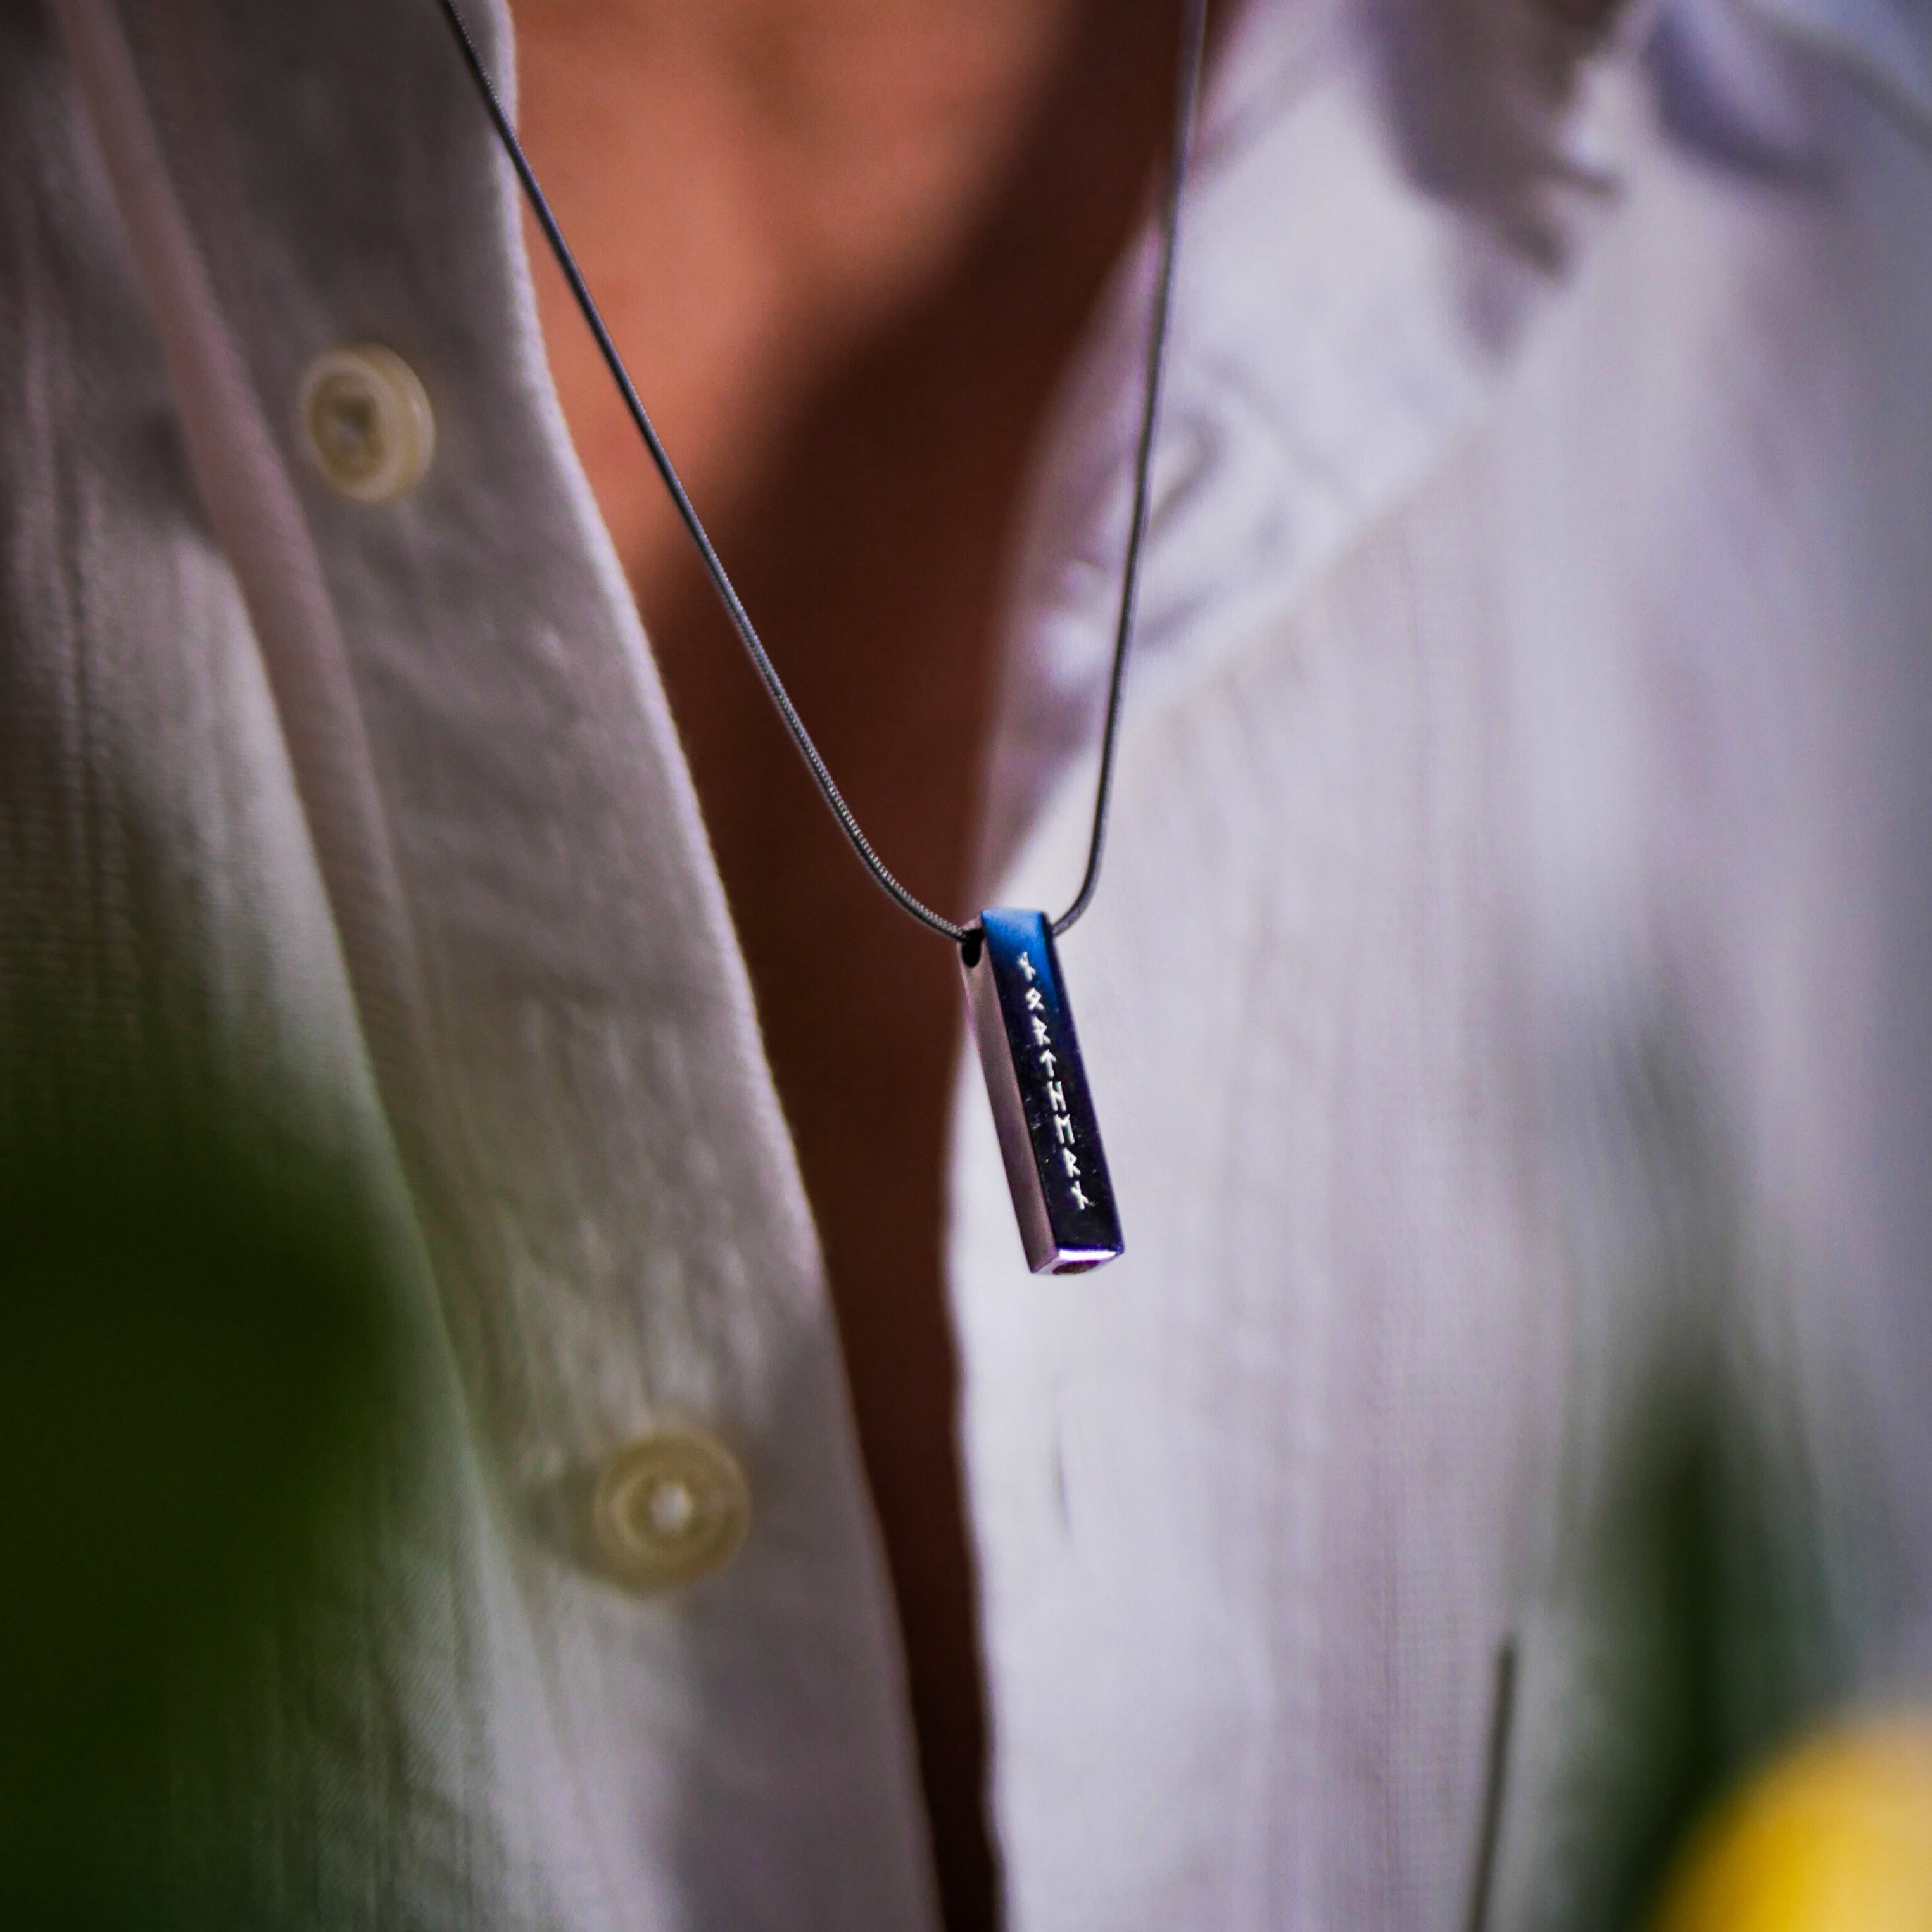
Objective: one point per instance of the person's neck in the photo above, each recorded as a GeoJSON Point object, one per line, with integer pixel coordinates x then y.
{"type": "Point", "coordinates": [861, 122]}
{"type": "Point", "coordinates": [848, 248]}
{"type": "Point", "coordinates": [824, 159]}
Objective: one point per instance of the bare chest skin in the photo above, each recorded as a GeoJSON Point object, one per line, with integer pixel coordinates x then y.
{"type": "Point", "coordinates": [847, 246]}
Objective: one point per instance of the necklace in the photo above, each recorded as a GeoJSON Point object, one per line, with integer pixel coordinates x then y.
{"type": "Point", "coordinates": [1042, 1109]}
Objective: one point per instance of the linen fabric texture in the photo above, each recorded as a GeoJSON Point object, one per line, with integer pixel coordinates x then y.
{"type": "Point", "coordinates": [1504, 1004]}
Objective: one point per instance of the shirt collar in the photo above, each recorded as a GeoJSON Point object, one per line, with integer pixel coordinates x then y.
{"type": "Point", "coordinates": [1336, 331]}
{"type": "Point", "coordinates": [1887, 42]}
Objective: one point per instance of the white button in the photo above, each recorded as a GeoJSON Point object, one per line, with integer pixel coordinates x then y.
{"type": "Point", "coordinates": [671, 1507]}
{"type": "Point", "coordinates": [367, 421]}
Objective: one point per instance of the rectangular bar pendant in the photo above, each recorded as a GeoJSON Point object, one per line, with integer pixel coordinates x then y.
{"type": "Point", "coordinates": [1031, 1056]}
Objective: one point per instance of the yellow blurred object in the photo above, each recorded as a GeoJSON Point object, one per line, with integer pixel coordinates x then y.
{"type": "Point", "coordinates": [1835, 1837]}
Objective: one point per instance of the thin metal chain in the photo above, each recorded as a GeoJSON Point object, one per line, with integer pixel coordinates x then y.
{"type": "Point", "coordinates": [1186, 92]}
{"type": "Point", "coordinates": [1187, 89]}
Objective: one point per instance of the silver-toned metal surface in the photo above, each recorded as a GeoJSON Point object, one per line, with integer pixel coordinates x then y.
{"type": "Point", "coordinates": [1031, 1054]}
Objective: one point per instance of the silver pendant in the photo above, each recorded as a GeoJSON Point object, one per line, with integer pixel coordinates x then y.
{"type": "Point", "coordinates": [1031, 1055]}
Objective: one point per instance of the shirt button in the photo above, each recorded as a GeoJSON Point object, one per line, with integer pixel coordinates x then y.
{"type": "Point", "coordinates": [669, 1508]}
{"type": "Point", "coordinates": [367, 421]}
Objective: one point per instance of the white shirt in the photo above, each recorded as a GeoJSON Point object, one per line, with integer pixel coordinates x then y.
{"type": "Point", "coordinates": [1504, 1004]}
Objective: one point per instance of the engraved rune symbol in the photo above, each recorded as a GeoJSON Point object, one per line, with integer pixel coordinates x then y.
{"type": "Point", "coordinates": [1040, 1035]}
{"type": "Point", "coordinates": [1063, 1128]}
{"type": "Point", "coordinates": [1036, 999]}
{"type": "Point", "coordinates": [1049, 1062]}
{"type": "Point", "coordinates": [1072, 1166]}
{"type": "Point", "coordinates": [1056, 1095]}
{"type": "Point", "coordinates": [1026, 966]}
{"type": "Point", "coordinates": [1080, 1196]}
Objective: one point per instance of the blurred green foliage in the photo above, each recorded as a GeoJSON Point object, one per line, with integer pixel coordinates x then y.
{"type": "Point", "coordinates": [193, 1379]}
